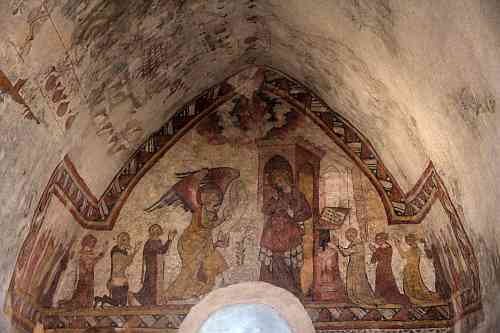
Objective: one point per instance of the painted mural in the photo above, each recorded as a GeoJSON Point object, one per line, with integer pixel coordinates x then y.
{"type": "Point", "coordinates": [13, 91]}
{"type": "Point", "coordinates": [255, 180]}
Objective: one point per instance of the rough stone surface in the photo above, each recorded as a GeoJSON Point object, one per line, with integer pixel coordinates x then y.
{"type": "Point", "coordinates": [419, 79]}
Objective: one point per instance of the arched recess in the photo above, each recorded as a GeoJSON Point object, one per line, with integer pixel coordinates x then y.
{"type": "Point", "coordinates": [287, 305]}
{"type": "Point", "coordinates": [101, 213]}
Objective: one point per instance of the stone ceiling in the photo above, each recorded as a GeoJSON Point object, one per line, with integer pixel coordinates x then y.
{"type": "Point", "coordinates": [420, 80]}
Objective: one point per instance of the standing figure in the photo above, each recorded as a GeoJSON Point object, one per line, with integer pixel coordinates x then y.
{"type": "Point", "coordinates": [152, 263]}
{"type": "Point", "coordinates": [121, 259]}
{"type": "Point", "coordinates": [358, 287]}
{"type": "Point", "coordinates": [281, 253]}
{"type": "Point", "coordinates": [441, 285]}
{"type": "Point", "coordinates": [413, 284]}
{"type": "Point", "coordinates": [64, 255]}
{"type": "Point", "coordinates": [332, 287]}
{"type": "Point", "coordinates": [83, 296]}
{"type": "Point", "coordinates": [200, 192]}
{"type": "Point", "coordinates": [385, 282]}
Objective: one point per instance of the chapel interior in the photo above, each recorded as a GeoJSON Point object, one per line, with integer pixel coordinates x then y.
{"type": "Point", "coordinates": [249, 166]}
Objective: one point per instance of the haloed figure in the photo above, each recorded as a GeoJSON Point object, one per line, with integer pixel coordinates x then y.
{"type": "Point", "coordinates": [413, 284]}
{"type": "Point", "coordinates": [200, 192]}
{"type": "Point", "coordinates": [152, 256]}
{"type": "Point", "coordinates": [122, 257]}
{"type": "Point", "coordinates": [83, 296]}
{"type": "Point", "coordinates": [281, 253]}
{"type": "Point", "coordinates": [358, 287]}
{"type": "Point", "coordinates": [201, 261]}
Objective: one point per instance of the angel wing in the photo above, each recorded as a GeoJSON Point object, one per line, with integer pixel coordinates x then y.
{"type": "Point", "coordinates": [183, 192]}
{"type": "Point", "coordinates": [168, 199]}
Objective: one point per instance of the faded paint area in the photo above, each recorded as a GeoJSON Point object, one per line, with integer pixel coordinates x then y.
{"type": "Point", "coordinates": [254, 180]}
{"type": "Point", "coordinates": [134, 96]}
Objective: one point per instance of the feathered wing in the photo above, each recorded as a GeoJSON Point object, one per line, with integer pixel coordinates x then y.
{"type": "Point", "coordinates": [183, 192]}
{"type": "Point", "coordinates": [168, 199]}
{"type": "Point", "coordinates": [222, 177]}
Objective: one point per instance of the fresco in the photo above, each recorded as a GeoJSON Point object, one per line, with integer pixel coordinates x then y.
{"type": "Point", "coordinates": [258, 188]}
{"type": "Point", "coordinates": [13, 90]}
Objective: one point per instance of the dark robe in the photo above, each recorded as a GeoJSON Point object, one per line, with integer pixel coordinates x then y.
{"type": "Point", "coordinates": [281, 243]}
{"type": "Point", "coordinates": [385, 282]}
{"type": "Point", "coordinates": [149, 293]}
{"type": "Point", "coordinates": [441, 284]}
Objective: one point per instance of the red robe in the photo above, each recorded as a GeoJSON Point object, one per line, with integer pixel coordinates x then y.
{"type": "Point", "coordinates": [282, 232]}
{"type": "Point", "coordinates": [281, 252]}
{"type": "Point", "coordinates": [83, 296]}
{"type": "Point", "coordinates": [385, 282]}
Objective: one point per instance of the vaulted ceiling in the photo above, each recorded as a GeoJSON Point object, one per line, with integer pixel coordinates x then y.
{"type": "Point", "coordinates": [419, 79]}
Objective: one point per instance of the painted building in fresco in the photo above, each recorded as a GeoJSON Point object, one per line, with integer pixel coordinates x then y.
{"type": "Point", "coordinates": [255, 180]}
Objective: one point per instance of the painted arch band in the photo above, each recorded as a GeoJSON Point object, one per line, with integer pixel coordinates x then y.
{"type": "Point", "coordinates": [101, 214]}
{"type": "Point", "coordinates": [307, 258]}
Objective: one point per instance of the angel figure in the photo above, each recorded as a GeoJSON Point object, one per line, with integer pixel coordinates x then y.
{"type": "Point", "coordinates": [202, 193]}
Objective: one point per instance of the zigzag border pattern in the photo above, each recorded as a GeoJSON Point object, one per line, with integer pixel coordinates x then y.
{"type": "Point", "coordinates": [401, 208]}
{"type": "Point", "coordinates": [101, 214]}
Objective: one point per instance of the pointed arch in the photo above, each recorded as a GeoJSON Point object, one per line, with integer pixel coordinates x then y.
{"type": "Point", "coordinates": [101, 213]}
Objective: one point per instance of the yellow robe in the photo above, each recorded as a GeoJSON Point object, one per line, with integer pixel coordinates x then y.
{"type": "Point", "coordinates": [201, 261]}
{"type": "Point", "coordinates": [413, 284]}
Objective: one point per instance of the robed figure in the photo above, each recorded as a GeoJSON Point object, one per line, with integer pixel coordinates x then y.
{"type": "Point", "coordinates": [152, 266]}
{"type": "Point", "coordinates": [332, 288]}
{"type": "Point", "coordinates": [83, 295]}
{"type": "Point", "coordinates": [122, 257]}
{"type": "Point", "coordinates": [385, 281]}
{"type": "Point", "coordinates": [413, 283]}
{"type": "Point", "coordinates": [281, 254]}
{"type": "Point", "coordinates": [359, 289]}
{"type": "Point", "coordinates": [201, 193]}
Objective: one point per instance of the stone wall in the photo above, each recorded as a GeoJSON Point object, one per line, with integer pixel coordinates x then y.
{"type": "Point", "coordinates": [418, 80]}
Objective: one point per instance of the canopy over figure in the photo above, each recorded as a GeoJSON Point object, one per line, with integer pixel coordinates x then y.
{"type": "Point", "coordinates": [285, 209]}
